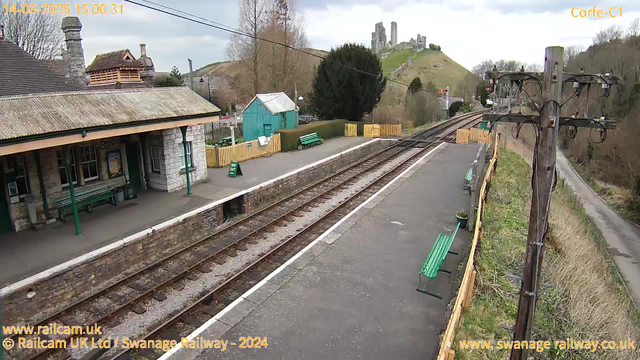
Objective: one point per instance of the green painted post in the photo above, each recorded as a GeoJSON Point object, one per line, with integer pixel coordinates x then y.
{"type": "Point", "coordinates": [186, 159]}
{"type": "Point", "coordinates": [67, 163]}
{"type": "Point", "coordinates": [43, 190]}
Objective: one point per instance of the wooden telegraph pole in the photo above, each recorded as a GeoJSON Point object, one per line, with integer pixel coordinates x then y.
{"type": "Point", "coordinates": [543, 181]}
{"type": "Point", "coordinates": [544, 175]}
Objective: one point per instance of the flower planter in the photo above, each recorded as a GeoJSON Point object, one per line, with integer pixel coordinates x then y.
{"type": "Point", "coordinates": [462, 221]}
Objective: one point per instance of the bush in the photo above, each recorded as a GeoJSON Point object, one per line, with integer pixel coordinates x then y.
{"type": "Point", "coordinates": [290, 138]}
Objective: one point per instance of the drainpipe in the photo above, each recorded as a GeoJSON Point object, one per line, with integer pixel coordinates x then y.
{"type": "Point", "coordinates": [67, 163]}
{"type": "Point", "coordinates": [186, 159]}
{"type": "Point", "coordinates": [43, 190]}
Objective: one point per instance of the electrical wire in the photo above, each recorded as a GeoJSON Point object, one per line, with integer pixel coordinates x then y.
{"type": "Point", "coordinates": [219, 26]}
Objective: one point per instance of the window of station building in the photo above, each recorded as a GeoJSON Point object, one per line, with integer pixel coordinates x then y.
{"type": "Point", "coordinates": [17, 179]}
{"type": "Point", "coordinates": [156, 154]}
{"type": "Point", "coordinates": [189, 156]}
{"type": "Point", "coordinates": [89, 162]}
{"type": "Point", "coordinates": [62, 170]}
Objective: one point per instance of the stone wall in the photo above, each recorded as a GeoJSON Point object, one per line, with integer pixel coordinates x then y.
{"type": "Point", "coordinates": [174, 163]}
{"type": "Point", "coordinates": [61, 289]}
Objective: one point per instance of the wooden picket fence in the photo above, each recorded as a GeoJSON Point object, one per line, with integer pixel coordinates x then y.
{"type": "Point", "coordinates": [351, 130]}
{"type": "Point", "coordinates": [464, 136]}
{"type": "Point", "coordinates": [378, 130]}
{"type": "Point", "coordinates": [465, 293]}
{"type": "Point", "coordinates": [223, 156]}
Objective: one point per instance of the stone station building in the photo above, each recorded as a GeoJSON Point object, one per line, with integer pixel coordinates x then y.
{"type": "Point", "coordinates": [124, 140]}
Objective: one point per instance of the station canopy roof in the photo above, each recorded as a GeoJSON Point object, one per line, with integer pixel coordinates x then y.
{"type": "Point", "coordinates": [26, 116]}
{"type": "Point", "coordinates": [276, 102]}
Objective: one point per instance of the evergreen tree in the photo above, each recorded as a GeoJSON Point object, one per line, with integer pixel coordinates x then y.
{"type": "Point", "coordinates": [173, 79]}
{"type": "Point", "coordinates": [340, 92]}
{"type": "Point", "coordinates": [414, 86]}
{"type": "Point", "coordinates": [175, 74]}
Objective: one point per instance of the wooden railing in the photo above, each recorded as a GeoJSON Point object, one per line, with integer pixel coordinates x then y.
{"type": "Point", "coordinates": [465, 293]}
{"type": "Point", "coordinates": [223, 156]}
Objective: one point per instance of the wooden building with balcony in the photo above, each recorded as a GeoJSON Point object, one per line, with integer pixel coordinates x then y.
{"type": "Point", "coordinates": [117, 70]}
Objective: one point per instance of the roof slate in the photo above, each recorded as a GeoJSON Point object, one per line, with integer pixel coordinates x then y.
{"type": "Point", "coordinates": [21, 73]}
{"type": "Point", "coordinates": [24, 116]}
{"type": "Point", "coordinates": [113, 60]}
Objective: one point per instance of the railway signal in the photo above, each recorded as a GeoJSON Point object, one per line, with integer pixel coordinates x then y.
{"type": "Point", "coordinates": [548, 123]}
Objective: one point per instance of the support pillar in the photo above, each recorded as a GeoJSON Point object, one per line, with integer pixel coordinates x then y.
{"type": "Point", "coordinates": [43, 189]}
{"type": "Point", "coordinates": [183, 129]}
{"type": "Point", "coordinates": [67, 163]}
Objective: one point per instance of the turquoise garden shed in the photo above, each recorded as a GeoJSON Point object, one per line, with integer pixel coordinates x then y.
{"type": "Point", "coordinates": [267, 113]}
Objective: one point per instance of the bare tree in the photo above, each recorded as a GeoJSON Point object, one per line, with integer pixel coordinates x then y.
{"type": "Point", "coordinates": [286, 66]}
{"type": "Point", "coordinates": [246, 49]}
{"type": "Point", "coordinates": [38, 34]}
{"type": "Point", "coordinates": [610, 34]}
{"type": "Point", "coordinates": [634, 29]}
{"type": "Point", "coordinates": [571, 53]}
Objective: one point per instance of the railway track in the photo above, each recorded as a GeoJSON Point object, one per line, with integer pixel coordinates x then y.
{"type": "Point", "coordinates": [174, 271]}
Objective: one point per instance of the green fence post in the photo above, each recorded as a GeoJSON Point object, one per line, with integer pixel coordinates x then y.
{"type": "Point", "coordinates": [186, 159]}
{"type": "Point", "coordinates": [67, 162]}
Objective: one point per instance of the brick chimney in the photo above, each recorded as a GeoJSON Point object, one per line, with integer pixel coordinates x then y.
{"type": "Point", "coordinates": [74, 55]}
{"type": "Point", "coordinates": [149, 69]}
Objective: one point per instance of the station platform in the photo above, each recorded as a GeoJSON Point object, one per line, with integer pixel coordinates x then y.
{"type": "Point", "coordinates": [29, 252]}
{"type": "Point", "coordinates": [352, 293]}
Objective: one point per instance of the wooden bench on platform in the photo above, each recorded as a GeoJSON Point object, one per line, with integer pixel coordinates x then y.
{"type": "Point", "coordinates": [310, 139]}
{"type": "Point", "coordinates": [86, 198]}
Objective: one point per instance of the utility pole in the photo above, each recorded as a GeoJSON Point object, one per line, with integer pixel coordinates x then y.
{"type": "Point", "coordinates": [548, 123]}
{"type": "Point", "coordinates": [543, 182]}
{"type": "Point", "coordinates": [191, 75]}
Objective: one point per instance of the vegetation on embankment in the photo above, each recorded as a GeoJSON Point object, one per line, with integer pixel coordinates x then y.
{"type": "Point", "coordinates": [584, 300]}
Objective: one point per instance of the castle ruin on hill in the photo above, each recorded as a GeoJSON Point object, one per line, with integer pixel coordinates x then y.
{"type": "Point", "coordinates": [379, 40]}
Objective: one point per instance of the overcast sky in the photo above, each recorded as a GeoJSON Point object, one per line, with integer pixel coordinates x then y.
{"type": "Point", "coordinates": [468, 31]}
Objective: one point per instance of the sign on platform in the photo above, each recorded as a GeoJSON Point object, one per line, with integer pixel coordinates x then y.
{"type": "Point", "coordinates": [234, 169]}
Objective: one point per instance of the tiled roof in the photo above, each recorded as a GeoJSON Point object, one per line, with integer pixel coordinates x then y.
{"type": "Point", "coordinates": [113, 60]}
{"type": "Point", "coordinates": [21, 73]}
{"type": "Point", "coordinates": [25, 116]}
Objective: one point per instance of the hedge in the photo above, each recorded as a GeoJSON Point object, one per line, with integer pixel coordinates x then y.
{"type": "Point", "coordinates": [290, 138]}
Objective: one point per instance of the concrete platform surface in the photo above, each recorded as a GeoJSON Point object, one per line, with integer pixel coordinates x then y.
{"type": "Point", "coordinates": [29, 252]}
{"type": "Point", "coordinates": [353, 294]}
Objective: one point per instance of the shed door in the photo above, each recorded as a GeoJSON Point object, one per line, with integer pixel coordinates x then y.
{"type": "Point", "coordinates": [267, 130]}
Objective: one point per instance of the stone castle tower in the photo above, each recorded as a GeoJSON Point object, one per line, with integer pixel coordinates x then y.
{"type": "Point", "coordinates": [394, 34]}
{"type": "Point", "coordinates": [378, 39]}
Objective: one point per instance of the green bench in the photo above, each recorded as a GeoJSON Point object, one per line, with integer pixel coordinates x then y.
{"type": "Point", "coordinates": [467, 178]}
{"type": "Point", "coordinates": [85, 198]}
{"type": "Point", "coordinates": [432, 265]}
{"type": "Point", "coordinates": [310, 139]}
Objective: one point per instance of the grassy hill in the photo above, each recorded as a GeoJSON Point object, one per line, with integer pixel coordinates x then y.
{"type": "Point", "coordinates": [232, 68]}
{"type": "Point", "coordinates": [428, 65]}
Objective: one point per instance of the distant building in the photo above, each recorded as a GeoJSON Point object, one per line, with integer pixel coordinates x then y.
{"type": "Point", "coordinates": [394, 34]}
{"type": "Point", "coordinates": [116, 70]}
{"type": "Point", "coordinates": [267, 113]}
